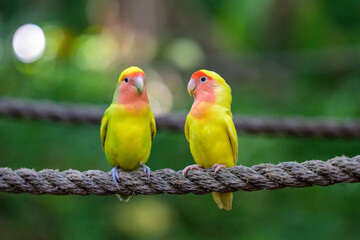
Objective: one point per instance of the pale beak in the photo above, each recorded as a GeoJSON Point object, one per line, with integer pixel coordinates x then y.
{"type": "Point", "coordinates": [139, 84]}
{"type": "Point", "coordinates": [191, 87]}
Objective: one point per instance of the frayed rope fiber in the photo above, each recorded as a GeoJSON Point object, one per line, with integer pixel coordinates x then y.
{"type": "Point", "coordinates": [258, 177]}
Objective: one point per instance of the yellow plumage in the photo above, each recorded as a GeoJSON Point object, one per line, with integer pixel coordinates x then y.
{"type": "Point", "coordinates": [128, 136]}
{"type": "Point", "coordinates": [128, 126]}
{"type": "Point", "coordinates": [211, 132]}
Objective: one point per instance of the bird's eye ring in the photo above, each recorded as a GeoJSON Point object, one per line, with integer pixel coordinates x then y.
{"type": "Point", "coordinates": [126, 80]}
{"type": "Point", "coordinates": [203, 79]}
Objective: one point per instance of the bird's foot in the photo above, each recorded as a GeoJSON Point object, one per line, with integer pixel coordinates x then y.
{"type": "Point", "coordinates": [218, 167]}
{"type": "Point", "coordinates": [191, 167]}
{"type": "Point", "coordinates": [146, 169]}
{"type": "Point", "coordinates": [115, 175]}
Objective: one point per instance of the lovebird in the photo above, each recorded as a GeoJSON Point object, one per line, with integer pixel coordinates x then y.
{"type": "Point", "coordinates": [128, 126]}
{"type": "Point", "coordinates": [209, 128]}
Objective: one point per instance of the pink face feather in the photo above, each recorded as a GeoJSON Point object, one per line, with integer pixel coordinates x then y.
{"type": "Point", "coordinates": [202, 87]}
{"type": "Point", "coordinates": [132, 90]}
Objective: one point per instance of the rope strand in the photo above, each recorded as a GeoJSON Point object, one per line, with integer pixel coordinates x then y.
{"type": "Point", "coordinates": [258, 177]}
{"type": "Point", "coordinates": [89, 114]}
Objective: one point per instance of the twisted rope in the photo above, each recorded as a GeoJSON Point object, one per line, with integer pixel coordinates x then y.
{"type": "Point", "coordinates": [258, 177]}
{"type": "Point", "coordinates": [89, 114]}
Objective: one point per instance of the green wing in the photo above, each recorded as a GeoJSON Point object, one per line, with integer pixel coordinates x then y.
{"type": "Point", "coordinates": [152, 126]}
{"type": "Point", "coordinates": [103, 127]}
{"type": "Point", "coordinates": [230, 127]}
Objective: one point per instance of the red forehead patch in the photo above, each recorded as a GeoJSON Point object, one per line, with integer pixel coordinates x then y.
{"type": "Point", "coordinates": [199, 74]}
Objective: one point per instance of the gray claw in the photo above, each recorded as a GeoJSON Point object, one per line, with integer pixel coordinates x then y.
{"type": "Point", "coordinates": [146, 169]}
{"type": "Point", "coordinates": [115, 176]}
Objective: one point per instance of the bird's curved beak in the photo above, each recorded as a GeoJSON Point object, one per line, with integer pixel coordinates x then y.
{"type": "Point", "coordinates": [139, 84]}
{"type": "Point", "coordinates": [191, 87]}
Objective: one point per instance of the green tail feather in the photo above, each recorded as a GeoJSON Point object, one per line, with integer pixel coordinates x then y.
{"type": "Point", "coordinates": [123, 198]}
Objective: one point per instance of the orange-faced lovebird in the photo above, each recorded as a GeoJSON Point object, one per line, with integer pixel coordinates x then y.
{"type": "Point", "coordinates": [128, 125]}
{"type": "Point", "coordinates": [209, 128]}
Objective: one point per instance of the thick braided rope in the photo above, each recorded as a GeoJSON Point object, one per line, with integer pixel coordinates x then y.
{"type": "Point", "coordinates": [89, 114]}
{"type": "Point", "coordinates": [258, 177]}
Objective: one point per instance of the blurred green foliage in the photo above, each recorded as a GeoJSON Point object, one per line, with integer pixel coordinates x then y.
{"type": "Point", "coordinates": [280, 58]}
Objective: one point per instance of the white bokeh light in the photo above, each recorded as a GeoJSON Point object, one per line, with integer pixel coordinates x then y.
{"type": "Point", "coordinates": [29, 43]}
{"type": "Point", "coordinates": [160, 96]}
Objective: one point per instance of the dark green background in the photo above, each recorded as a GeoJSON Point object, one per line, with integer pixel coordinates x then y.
{"type": "Point", "coordinates": [281, 58]}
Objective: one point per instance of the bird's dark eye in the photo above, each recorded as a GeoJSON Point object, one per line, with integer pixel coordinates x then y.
{"type": "Point", "coordinates": [126, 80]}
{"type": "Point", "coordinates": [203, 79]}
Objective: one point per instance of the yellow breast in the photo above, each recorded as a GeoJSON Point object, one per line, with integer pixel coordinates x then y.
{"type": "Point", "coordinates": [128, 139]}
{"type": "Point", "coordinates": [209, 140]}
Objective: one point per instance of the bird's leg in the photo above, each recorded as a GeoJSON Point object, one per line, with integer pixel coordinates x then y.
{"type": "Point", "coordinates": [218, 167]}
{"type": "Point", "coordinates": [190, 167]}
{"type": "Point", "coordinates": [115, 176]}
{"type": "Point", "coordinates": [146, 169]}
